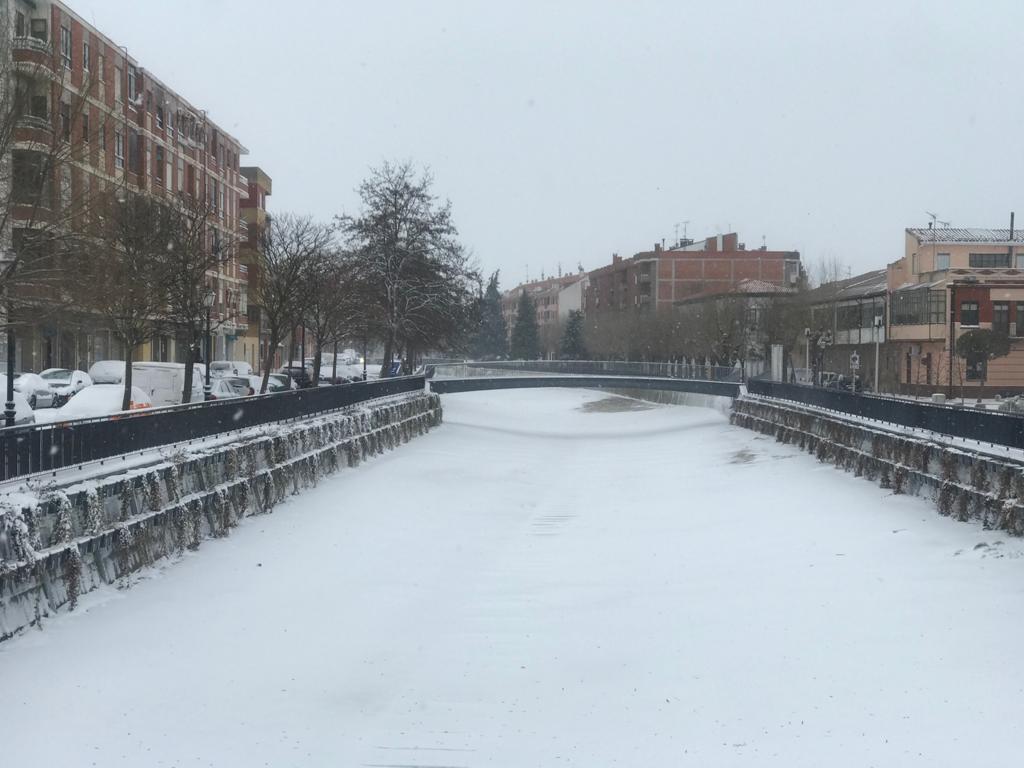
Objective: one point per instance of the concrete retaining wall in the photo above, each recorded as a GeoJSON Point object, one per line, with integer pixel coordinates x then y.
{"type": "Point", "coordinates": [961, 483]}
{"type": "Point", "coordinates": [58, 541]}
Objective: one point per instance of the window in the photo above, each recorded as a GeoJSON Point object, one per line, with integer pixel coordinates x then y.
{"type": "Point", "coordinates": [85, 127]}
{"type": "Point", "coordinates": [19, 24]}
{"type": "Point", "coordinates": [40, 30]}
{"type": "Point", "coordinates": [159, 116]}
{"type": "Point", "coordinates": [65, 120]}
{"type": "Point", "coordinates": [132, 83]}
{"type": "Point", "coordinates": [916, 307]}
{"type": "Point", "coordinates": [181, 174]}
{"type": "Point", "coordinates": [65, 46]}
{"type": "Point", "coordinates": [1020, 261]}
{"type": "Point", "coordinates": [989, 260]}
{"type": "Point", "coordinates": [135, 152]}
{"type": "Point", "coordinates": [118, 87]}
{"type": "Point", "coordinates": [968, 313]}
{"type": "Point", "coordinates": [103, 136]}
{"type": "Point", "coordinates": [975, 368]}
{"type": "Point", "coordinates": [86, 58]}
{"type": "Point", "coordinates": [941, 261]}
{"type": "Point", "coordinates": [118, 149]}
{"type": "Point", "coordinates": [1001, 317]}
{"type": "Point", "coordinates": [1019, 330]}
{"type": "Point", "coordinates": [28, 177]}
{"type": "Point", "coordinates": [158, 165]}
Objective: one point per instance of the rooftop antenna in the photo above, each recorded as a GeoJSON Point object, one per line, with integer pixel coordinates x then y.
{"type": "Point", "coordinates": [682, 224]}
{"type": "Point", "coordinates": [559, 269]}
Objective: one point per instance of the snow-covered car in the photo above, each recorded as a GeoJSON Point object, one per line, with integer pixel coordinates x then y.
{"type": "Point", "coordinates": [35, 390]}
{"type": "Point", "coordinates": [284, 381]}
{"type": "Point", "coordinates": [23, 413]}
{"type": "Point", "coordinates": [64, 383]}
{"type": "Point", "coordinates": [224, 389]}
{"type": "Point", "coordinates": [230, 368]}
{"type": "Point", "coordinates": [95, 401]}
{"type": "Point", "coordinates": [275, 383]}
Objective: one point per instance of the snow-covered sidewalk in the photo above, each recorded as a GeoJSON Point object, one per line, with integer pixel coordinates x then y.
{"type": "Point", "coordinates": [552, 578]}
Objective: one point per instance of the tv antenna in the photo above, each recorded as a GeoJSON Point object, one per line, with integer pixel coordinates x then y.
{"type": "Point", "coordinates": [684, 225]}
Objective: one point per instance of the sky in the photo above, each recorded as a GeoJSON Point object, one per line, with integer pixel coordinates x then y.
{"type": "Point", "coordinates": [564, 132]}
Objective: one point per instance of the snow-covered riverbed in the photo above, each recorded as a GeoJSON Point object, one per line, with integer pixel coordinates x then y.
{"type": "Point", "coordinates": [553, 578]}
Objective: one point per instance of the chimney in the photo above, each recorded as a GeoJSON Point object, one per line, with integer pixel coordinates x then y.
{"type": "Point", "coordinates": [657, 247]}
{"type": "Point", "coordinates": [615, 258]}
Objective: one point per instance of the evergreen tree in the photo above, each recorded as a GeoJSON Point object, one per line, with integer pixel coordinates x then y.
{"type": "Point", "coordinates": [492, 337]}
{"type": "Point", "coordinates": [573, 345]}
{"type": "Point", "coordinates": [525, 335]}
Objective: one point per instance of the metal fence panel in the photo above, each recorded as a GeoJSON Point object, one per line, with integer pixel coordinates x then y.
{"type": "Point", "coordinates": [45, 447]}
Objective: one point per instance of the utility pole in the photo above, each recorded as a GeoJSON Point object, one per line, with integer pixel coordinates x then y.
{"type": "Point", "coordinates": [879, 324]}
{"type": "Point", "coordinates": [952, 338]}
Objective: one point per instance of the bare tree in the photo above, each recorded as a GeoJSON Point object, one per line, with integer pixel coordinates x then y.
{"type": "Point", "coordinates": [119, 276]}
{"type": "Point", "coordinates": [196, 247]}
{"type": "Point", "coordinates": [287, 253]}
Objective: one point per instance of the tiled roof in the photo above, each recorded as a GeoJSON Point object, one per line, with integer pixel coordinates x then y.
{"type": "Point", "coordinates": [965, 235]}
{"type": "Point", "coordinates": [868, 284]}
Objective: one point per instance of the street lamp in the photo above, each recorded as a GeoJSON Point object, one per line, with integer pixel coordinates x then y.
{"type": "Point", "coordinates": [879, 324]}
{"type": "Point", "coordinates": [208, 300]}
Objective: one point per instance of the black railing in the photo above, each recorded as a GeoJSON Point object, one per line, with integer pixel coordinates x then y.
{"type": "Point", "coordinates": [677, 370]}
{"type": "Point", "coordinates": [982, 426]}
{"type": "Point", "coordinates": [477, 383]}
{"type": "Point", "coordinates": [46, 447]}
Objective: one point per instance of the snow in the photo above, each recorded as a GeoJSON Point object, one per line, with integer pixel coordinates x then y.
{"type": "Point", "coordinates": [553, 578]}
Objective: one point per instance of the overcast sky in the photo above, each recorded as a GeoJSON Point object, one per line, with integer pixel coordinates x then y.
{"type": "Point", "coordinates": [563, 132]}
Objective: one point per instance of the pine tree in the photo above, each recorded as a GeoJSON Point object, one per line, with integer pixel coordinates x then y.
{"type": "Point", "coordinates": [525, 335]}
{"type": "Point", "coordinates": [573, 345]}
{"type": "Point", "coordinates": [491, 341]}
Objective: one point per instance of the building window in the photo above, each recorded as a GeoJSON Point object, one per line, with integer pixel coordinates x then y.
{"type": "Point", "coordinates": [975, 368]}
{"type": "Point", "coordinates": [158, 167]}
{"type": "Point", "coordinates": [1020, 261]}
{"type": "Point", "coordinates": [135, 152]}
{"type": "Point", "coordinates": [989, 260]}
{"type": "Point", "coordinates": [65, 120]}
{"type": "Point", "coordinates": [85, 127]}
{"type": "Point", "coordinates": [40, 30]}
{"type": "Point", "coordinates": [19, 24]}
{"type": "Point", "coordinates": [118, 87]}
{"type": "Point", "coordinates": [86, 58]}
{"type": "Point", "coordinates": [941, 261]}
{"type": "Point", "coordinates": [132, 83]}
{"type": "Point", "coordinates": [65, 46]}
{"type": "Point", "coordinates": [29, 178]}
{"type": "Point", "coordinates": [118, 149]}
{"type": "Point", "coordinates": [1019, 329]}
{"type": "Point", "coordinates": [1001, 317]}
{"type": "Point", "coordinates": [917, 307]}
{"type": "Point", "coordinates": [159, 117]}
{"type": "Point", "coordinates": [103, 136]}
{"type": "Point", "coordinates": [968, 313]}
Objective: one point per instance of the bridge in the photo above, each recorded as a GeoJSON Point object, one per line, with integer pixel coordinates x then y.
{"type": "Point", "coordinates": [446, 386]}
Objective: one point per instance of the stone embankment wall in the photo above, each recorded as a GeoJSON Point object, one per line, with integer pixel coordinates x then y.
{"type": "Point", "coordinates": [964, 484]}
{"type": "Point", "coordinates": [58, 541]}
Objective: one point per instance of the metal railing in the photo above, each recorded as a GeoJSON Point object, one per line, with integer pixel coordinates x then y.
{"type": "Point", "coordinates": [678, 370]}
{"type": "Point", "coordinates": [481, 383]}
{"type": "Point", "coordinates": [983, 426]}
{"type": "Point", "coordinates": [36, 448]}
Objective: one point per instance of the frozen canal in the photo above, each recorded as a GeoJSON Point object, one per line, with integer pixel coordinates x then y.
{"type": "Point", "coordinates": [549, 580]}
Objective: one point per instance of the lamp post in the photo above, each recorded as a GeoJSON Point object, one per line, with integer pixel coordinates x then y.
{"type": "Point", "coordinates": [208, 300]}
{"type": "Point", "coordinates": [879, 323]}
{"type": "Point", "coordinates": [9, 410]}
{"type": "Point", "coordinates": [807, 353]}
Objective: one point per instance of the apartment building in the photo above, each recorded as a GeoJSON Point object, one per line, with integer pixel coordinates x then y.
{"type": "Point", "coordinates": [124, 126]}
{"type": "Point", "coordinates": [554, 298]}
{"type": "Point", "coordinates": [948, 281]}
{"type": "Point", "coordinates": [665, 276]}
{"type": "Point", "coordinates": [254, 220]}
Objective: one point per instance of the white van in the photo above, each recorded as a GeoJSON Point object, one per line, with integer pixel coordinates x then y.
{"type": "Point", "coordinates": [163, 382]}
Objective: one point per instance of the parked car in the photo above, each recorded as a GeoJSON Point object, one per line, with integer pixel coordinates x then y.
{"type": "Point", "coordinates": [35, 389]}
{"type": "Point", "coordinates": [276, 382]}
{"type": "Point", "coordinates": [224, 389]}
{"type": "Point", "coordinates": [230, 368]}
{"type": "Point", "coordinates": [284, 380]}
{"type": "Point", "coordinates": [64, 383]}
{"type": "Point", "coordinates": [23, 413]}
{"type": "Point", "coordinates": [95, 401]}
{"type": "Point", "coordinates": [241, 384]}
{"type": "Point", "coordinates": [162, 382]}
{"type": "Point", "coordinates": [301, 375]}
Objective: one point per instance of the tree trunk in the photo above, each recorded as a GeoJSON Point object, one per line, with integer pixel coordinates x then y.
{"type": "Point", "coordinates": [126, 400]}
{"type": "Point", "coordinates": [389, 344]}
{"type": "Point", "coordinates": [269, 361]}
{"type": "Point", "coordinates": [190, 359]}
{"type": "Point", "coordinates": [318, 363]}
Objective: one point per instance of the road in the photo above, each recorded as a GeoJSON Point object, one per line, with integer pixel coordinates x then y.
{"type": "Point", "coordinates": [551, 578]}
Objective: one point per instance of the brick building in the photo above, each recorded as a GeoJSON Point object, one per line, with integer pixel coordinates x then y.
{"type": "Point", "coordinates": [133, 130]}
{"type": "Point", "coordinates": [254, 219]}
{"type": "Point", "coordinates": [979, 274]}
{"type": "Point", "coordinates": [662, 277]}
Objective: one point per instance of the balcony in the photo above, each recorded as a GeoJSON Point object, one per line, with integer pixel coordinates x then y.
{"type": "Point", "coordinates": [30, 53]}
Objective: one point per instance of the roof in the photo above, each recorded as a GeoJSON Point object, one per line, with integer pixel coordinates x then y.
{"type": "Point", "coordinates": [953, 235]}
{"type": "Point", "coordinates": [873, 283]}
{"type": "Point", "coordinates": [749, 287]}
